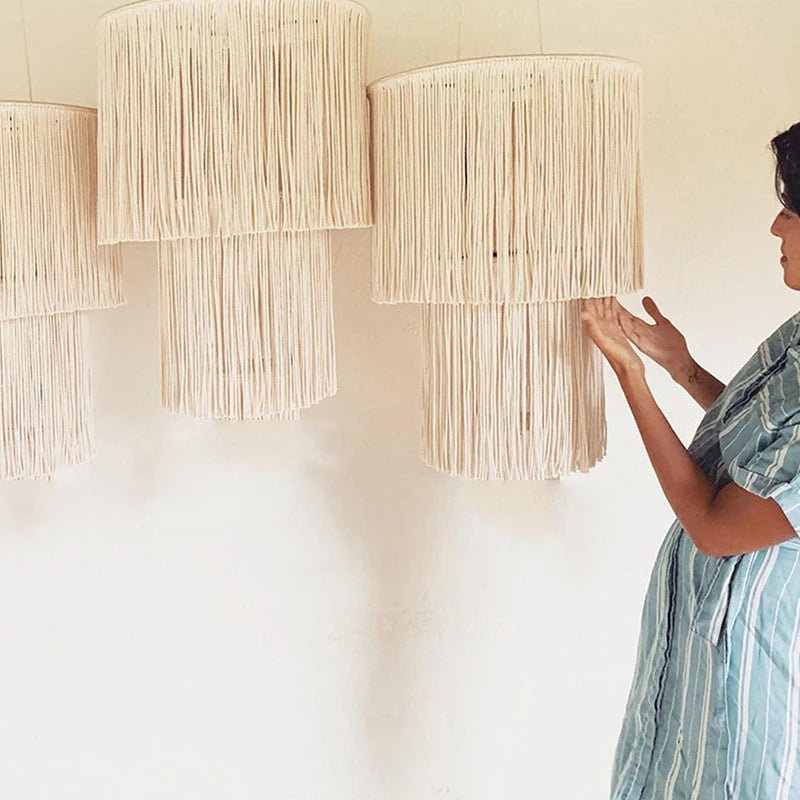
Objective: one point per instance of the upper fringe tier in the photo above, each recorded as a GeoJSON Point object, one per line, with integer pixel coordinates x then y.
{"type": "Point", "coordinates": [507, 180]}
{"type": "Point", "coordinates": [50, 262]}
{"type": "Point", "coordinates": [229, 118]}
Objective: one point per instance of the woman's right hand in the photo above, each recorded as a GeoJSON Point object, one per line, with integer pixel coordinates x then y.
{"type": "Point", "coordinates": [662, 341]}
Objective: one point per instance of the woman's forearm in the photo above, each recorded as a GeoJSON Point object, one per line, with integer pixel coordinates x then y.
{"type": "Point", "coordinates": [700, 384]}
{"type": "Point", "coordinates": [687, 489]}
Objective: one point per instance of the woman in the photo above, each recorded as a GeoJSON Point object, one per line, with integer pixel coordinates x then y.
{"type": "Point", "coordinates": [714, 709]}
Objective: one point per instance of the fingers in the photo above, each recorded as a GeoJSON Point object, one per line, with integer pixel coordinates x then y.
{"type": "Point", "coordinates": [616, 310]}
{"type": "Point", "coordinates": [591, 308]}
{"type": "Point", "coordinates": [601, 308]}
{"type": "Point", "coordinates": [602, 318]}
{"type": "Point", "coordinates": [631, 326]}
{"type": "Point", "coordinates": [607, 309]}
{"type": "Point", "coordinates": [593, 316]}
{"type": "Point", "coordinates": [633, 322]}
{"type": "Point", "coordinates": [631, 330]}
{"type": "Point", "coordinates": [652, 309]}
{"type": "Point", "coordinates": [589, 318]}
{"type": "Point", "coordinates": [603, 315]}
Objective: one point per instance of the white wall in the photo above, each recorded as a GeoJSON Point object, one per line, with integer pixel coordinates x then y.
{"type": "Point", "coordinates": [305, 611]}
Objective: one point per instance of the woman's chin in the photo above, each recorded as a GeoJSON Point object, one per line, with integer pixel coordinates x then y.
{"type": "Point", "coordinates": [792, 281]}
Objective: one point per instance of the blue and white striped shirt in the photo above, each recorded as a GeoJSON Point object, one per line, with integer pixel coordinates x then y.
{"type": "Point", "coordinates": [714, 709]}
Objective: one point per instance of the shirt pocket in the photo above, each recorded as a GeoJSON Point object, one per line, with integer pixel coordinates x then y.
{"type": "Point", "coordinates": [713, 599]}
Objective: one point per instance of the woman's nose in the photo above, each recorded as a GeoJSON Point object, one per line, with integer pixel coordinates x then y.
{"type": "Point", "coordinates": [774, 228]}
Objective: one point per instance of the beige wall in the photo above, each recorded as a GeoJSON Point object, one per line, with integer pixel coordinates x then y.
{"type": "Point", "coordinates": [306, 612]}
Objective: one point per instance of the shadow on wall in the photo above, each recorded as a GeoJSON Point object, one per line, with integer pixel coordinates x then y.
{"type": "Point", "coordinates": [398, 518]}
{"type": "Point", "coordinates": [388, 511]}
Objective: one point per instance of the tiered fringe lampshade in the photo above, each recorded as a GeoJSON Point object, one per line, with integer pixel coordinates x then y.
{"type": "Point", "coordinates": [51, 272]}
{"type": "Point", "coordinates": [505, 190]}
{"type": "Point", "coordinates": [234, 133]}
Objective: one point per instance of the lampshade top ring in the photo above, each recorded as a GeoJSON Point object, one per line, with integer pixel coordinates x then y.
{"type": "Point", "coordinates": [532, 57]}
{"type": "Point", "coordinates": [140, 3]}
{"type": "Point", "coordinates": [4, 104]}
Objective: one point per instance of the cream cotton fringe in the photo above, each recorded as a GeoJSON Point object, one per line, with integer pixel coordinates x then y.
{"type": "Point", "coordinates": [247, 325]}
{"type": "Point", "coordinates": [45, 395]}
{"type": "Point", "coordinates": [505, 190]}
{"type": "Point", "coordinates": [235, 132]}
{"type": "Point", "coordinates": [511, 392]}
{"type": "Point", "coordinates": [507, 180]}
{"type": "Point", "coordinates": [51, 271]}
{"type": "Point", "coordinates": [232, 117]}
{"type": "Point", "coordinates": [49, 259]}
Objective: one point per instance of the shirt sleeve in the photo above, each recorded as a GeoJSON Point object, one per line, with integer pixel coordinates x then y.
{"type": "Point", "coordinates": [773, 471]}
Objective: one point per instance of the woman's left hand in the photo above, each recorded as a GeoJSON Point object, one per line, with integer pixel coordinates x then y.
{"type": "Point", "coordinates": [604, 323]}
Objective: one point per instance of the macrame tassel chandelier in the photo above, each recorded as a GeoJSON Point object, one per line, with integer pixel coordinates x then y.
{"type": "Point", "coordinates": [51, 272]}
{"type": "Point", "coordinates": [506, 189]}
{"type": "Point", "coordinates": [234, 133]}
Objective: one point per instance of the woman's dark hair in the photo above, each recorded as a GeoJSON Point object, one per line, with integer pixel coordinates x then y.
{"type": "Point", "coordinates": [786, 147]}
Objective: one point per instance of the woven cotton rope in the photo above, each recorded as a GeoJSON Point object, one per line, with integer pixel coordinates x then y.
{"type": "Point", "coordinates": [507, 180]}
{"type": "Point", "coordinates": [247, 325]}
{"type": "Point", "coordinates": [49, 258]}
{"type": "Point", "coordinates": [510, 392]}
{"type": "Point", "coordinates": [232, 117]}
{"type": "Point", "coordinates": [51, 272]}
{"type": "Point", "coordinates": [45, 395]}
{"type": "Point", "coordinates": [506, 189]}
{"type": "Point", "coordinates": [235, 133]}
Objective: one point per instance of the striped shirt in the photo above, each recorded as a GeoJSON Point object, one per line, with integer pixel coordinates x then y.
{"type": "Point", "coordinates": [714, 709]}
